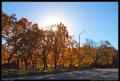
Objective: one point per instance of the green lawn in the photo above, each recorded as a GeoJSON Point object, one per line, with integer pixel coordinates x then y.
{"type": "Point", "coordinates": [30, 72]}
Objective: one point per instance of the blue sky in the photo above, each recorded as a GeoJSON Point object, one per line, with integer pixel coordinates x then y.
{"type": "Point", "coordinates": [100, 19]}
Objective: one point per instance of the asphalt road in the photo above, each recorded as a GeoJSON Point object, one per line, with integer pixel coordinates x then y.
{"type": "Point", "coordinates": [92, 74]}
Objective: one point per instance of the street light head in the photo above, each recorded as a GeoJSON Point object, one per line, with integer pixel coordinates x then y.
{"type": "Point", "coordinates": [83, 31]}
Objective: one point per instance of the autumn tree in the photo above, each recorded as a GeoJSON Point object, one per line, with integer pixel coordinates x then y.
{"type": "Point", "coordinates": [27, 44]}
{"type": "Point", "coordinates": [58, 41]}
{"type": "Point", "coordinates": [26, 41]}
{"type": "Point", "coordinates": [92, 50]}
{"type": "Point", "coordinates": [74, 53]}
{"type": "Point", "coordinates": [45, 48]}
{"type": "Point", "coordinates": [8, 26]}
{"type": "Point", "coordinates": [106, 53]}
{"type": "Point", "coordinates": [4, 57]}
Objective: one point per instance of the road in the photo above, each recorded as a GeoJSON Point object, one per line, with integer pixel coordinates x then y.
{"type": "Point", "coordinates": [92, 74]}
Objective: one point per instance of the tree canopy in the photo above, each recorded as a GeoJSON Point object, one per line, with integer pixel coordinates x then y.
{"type": "Point", "coordinates": [31, 47]}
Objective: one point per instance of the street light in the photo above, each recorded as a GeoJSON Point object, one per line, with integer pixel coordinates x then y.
{"type": "Point", "coordinates": [79, 37]}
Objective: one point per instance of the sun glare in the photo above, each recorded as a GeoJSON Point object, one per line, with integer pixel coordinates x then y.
{"type": "Point", "coordinates": [54, 28]}
{"type": "Point", "coordinates": [49, 20]}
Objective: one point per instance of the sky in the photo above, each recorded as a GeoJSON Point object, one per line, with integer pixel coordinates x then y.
{"type": "Point", "coordinates": [99, 19]}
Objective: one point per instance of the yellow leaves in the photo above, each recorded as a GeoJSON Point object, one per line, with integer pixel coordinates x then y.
{"type": "Point", "coordinates": [66, 65]}
{"type": "Point", "coordinates": [4, 61]}
{"type": "Point", "coordinates": [4, 55]}
{"type": "Point", "coordinates": [76, 65]}
{"type": "Point", "coordinates": [13, 58]}
{"type": "Point", "coordinates": [5, 19]}
{"type": "Point", "coordinates": [23, 20]}
{"type": "Point", "coordinates": [58, 44]}
{"type": "Point", "coordinates": [107, 56]}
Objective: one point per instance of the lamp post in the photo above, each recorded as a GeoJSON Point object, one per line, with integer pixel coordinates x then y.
{"type": "Point", "coordinates": [79, 42]}
{"type": "Point", "coordinates": [79, 37]}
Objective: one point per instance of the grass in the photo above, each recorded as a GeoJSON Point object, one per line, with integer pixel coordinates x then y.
{"type": "Point", "coordinates": [22, 73]}
{"type": "Point", "coordinates": [30, 72]}
{"type": "Point", "coordinates": [8, 74]}
{"type": "Point", "coordinates": [16, 73]}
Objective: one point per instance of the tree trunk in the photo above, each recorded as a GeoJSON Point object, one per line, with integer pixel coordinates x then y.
{"type": "Point", "coordinates": [55, 64]}
{"type": "Point", "coordinates": [25, 64]}
{"type": "Point", "coordinates": [8, 67]}
{"type": "Point", "coordinates": [44, 64]}
{"type": "Point", "coordinates": [33, 65]}
{"type": "Point", "coordinates": [44, 58]}
{"type": "Point", "coordinates": [18, 63]}
{"type": "Point", "coordinates": [63, 62]}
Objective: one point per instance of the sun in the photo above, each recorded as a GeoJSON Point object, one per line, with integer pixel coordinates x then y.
{"type": "Point", "coordinates": [54, 28]}
{"type": "Point", "coordinates": [52, 19]}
